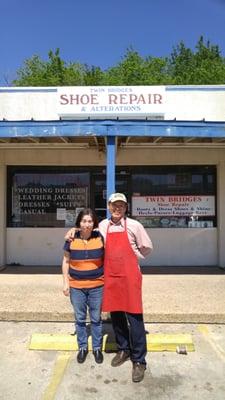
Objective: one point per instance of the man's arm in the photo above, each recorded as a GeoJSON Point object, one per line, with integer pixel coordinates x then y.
{"type": "Point", "coordinates": [144, 242]}
{"type": "Point", "coordinates": [140, 241]}
{"type": "Point", "coordinates": [70, 234]}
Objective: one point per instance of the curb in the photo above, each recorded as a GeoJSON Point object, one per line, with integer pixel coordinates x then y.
{"type": "Point", "coordinates": [33, 316]}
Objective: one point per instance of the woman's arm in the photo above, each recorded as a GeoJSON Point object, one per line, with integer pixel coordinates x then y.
{"type": "Point", "coordinates": [65, 272]}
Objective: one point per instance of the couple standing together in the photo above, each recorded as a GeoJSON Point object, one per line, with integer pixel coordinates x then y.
{"type": "Point", "coordinates": [117, 243]}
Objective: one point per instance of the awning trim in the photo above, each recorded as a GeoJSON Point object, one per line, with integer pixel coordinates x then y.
{"type": "Point", "coordinates": [198, 129]}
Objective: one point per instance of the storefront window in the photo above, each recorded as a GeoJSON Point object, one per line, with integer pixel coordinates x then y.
{"type": "Point", "coordinates": [159, 196]}
{"type": "Point", "coordinates": [46, 198]}
{"type": "Point", "coordinates": [175, 197]}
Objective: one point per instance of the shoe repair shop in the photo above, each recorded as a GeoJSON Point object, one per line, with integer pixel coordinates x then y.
{"type": "Point", "coordinates": [65, 148]}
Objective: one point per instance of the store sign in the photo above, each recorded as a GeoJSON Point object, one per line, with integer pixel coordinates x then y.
{"type": "Point", "coordinates": [83, 101]}
{"type": "Point", "coordinates": [191, 206]}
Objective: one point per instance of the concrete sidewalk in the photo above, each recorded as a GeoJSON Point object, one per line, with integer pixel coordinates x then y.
{"type": "Point", "coordinates": [177, 295]}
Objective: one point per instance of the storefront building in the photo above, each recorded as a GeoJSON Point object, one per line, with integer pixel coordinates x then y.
{"type": "Point", "coordinates": [62, 149]}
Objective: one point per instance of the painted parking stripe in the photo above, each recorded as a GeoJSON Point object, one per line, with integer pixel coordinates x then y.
{"type": "Point", "coordinates": [57, 375]}
{"type": "Point", "coordinates": [67, 342]}
{"type": "Point", "coordinates": [216, 347]}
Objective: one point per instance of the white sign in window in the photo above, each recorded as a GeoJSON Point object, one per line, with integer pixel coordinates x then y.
{"type": "Point", "coordinates": [181, 205]}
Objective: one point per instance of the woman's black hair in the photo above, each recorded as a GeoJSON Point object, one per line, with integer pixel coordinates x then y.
{"type": "Point", "coordinates": [87, 211]}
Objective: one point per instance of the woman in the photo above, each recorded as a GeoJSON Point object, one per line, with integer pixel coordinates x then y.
{"type": "Point", "coordinates": [82, 269]}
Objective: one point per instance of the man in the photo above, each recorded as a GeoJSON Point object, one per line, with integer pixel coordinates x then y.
{"type": "Point", "coordinates": [126, 241]}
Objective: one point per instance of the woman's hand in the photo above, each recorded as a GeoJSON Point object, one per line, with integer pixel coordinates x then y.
{"type": "Point", "coordinates": [66, 289]}
{"type": "Point", "coordinates": [66, 286]}
{"type": "Point", "coordinates": [70, 234]}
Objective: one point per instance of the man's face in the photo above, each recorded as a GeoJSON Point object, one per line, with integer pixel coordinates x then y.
{"type": "Point", "coordinates": [117, 210]}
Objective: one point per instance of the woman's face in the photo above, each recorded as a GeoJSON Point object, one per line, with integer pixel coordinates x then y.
{"type": "Point", "coordinates": [86, 223]}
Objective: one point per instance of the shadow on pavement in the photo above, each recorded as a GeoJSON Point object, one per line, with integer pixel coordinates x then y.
{"type": "Point", "coordinates": [182, 270]}
{"type": "Point", "coordinates": [149, 270]}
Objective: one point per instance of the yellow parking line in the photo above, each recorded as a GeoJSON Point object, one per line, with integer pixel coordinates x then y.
{"type": "Point", "coordinates": [216, 347]}
{"type": "Point", "coordinates": [67, 342]}
{"type": "Point", "coordinates": [57, 375]}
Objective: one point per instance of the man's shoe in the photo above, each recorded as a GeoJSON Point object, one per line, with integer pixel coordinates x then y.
{"type": "Point", "coordinates": [98, 356]}
{"type": "Point", "coordinates": [138, 372]}
{"type": "Point", "coordinates": [120, 358]}
{"type": "Point", "coordinates": [81, 356]}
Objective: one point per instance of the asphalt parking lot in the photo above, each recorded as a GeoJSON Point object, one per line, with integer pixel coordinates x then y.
{"type": "Point", "coordinates": [47, 375]}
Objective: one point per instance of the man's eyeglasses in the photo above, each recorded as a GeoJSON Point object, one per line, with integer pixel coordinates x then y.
{"type": "Point", "coordinates": [118, 207]}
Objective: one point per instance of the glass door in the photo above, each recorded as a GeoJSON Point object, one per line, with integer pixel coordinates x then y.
{"type": "Point", "coordinates": [123, 185]}
{"type": "Point", "coordinates": [99, 194]}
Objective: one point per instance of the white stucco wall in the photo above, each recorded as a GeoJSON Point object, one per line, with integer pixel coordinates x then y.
{"type": "Point", "coordinates": [35, 246]}
{"type": "Point", "coordinates": [183, 247]}
{"type": "Point", "coordinates": [196, 104]}
{"type": "Point", "coordinates": [177, 247]}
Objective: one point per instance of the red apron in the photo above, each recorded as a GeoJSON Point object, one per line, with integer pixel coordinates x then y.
{"type": "Point", "coordinates": [122, 276]}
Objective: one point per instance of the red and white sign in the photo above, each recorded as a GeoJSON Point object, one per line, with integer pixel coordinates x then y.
{"type": "Point", "coordinates": [181, 205]}
{"type": "Point", "coordinates": [110, 100]}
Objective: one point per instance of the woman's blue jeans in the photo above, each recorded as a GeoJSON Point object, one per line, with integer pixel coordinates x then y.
{"type": "Point", "coordinates": [91, 299]}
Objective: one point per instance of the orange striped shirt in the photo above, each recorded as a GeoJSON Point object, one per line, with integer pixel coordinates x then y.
{"type": "Point", "coordinates": [86, 261]}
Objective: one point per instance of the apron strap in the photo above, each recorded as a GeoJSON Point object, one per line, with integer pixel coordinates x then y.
{"type": "Point", "coordinates": [125, 226]}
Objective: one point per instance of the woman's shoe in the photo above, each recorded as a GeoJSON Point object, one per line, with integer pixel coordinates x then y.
{"type": "Point", "coordinates": [81, 356]}
{"type": "Point", "coordinates": [98, 356]}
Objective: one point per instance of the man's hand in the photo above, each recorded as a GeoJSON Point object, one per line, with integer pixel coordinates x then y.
{"type": "Point", "coordinates": [70, 234]}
